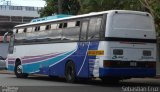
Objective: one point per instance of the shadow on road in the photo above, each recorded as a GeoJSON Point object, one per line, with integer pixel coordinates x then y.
{"type": "Point", "coordinates": [100, 83]}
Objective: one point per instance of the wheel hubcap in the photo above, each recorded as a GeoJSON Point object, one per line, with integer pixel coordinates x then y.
{"type": "Point", "coordinates": [19, 69]}
{"type": "Point", "coordinates": [70, 72]}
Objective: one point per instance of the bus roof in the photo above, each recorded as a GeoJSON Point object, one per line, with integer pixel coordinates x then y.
{"type": "Point", "coordinates": [50, 17]}
{"type": "Point", "coordinates": [80, 16]}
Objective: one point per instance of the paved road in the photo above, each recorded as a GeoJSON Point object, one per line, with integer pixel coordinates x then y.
{"type": "Point", "coordinates": [46, 84]}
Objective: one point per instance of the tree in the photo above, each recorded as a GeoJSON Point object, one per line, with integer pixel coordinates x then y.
{"type": "Point", "coordinates": [153, 7]}
{"type": "Point", "coordinates": [53, 7]}
{"type": "Point", "coordinates": [50, 8]}
{"type": "Point", "coordinates": [59, 6]}
{"type": "Point", "coordinates": [102, 5]}
{"type": "Point", "coordinates": [74, 7]}
{"type": "Point", "coordinates": [70, 7]}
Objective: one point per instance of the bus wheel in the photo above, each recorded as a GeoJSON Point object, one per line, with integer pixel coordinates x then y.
{"type": "Point", "coordinates": [70, 74]}
{"type": "Point", "coordinates": [18, 71]}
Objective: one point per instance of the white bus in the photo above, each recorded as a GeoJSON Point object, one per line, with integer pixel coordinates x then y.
{"type": "Point", "coordinates": [111, 45]}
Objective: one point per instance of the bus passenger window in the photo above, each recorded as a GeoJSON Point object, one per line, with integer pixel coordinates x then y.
{"type": "Point", "coordinates": [48, 27]}
{"type": "Point", "coordinates": [43, 27]}
{"type": "Point", "coordinates": [71, 34]}
{"type": "Point", "coordinates": [54, 26]}
{"type": "Point", "coordinates": [37, 28]}
{"type": "Point", "coordinates": [78, 23]}
{"type": "Point", "coordinates": [29, 29]}
{"type": "Point", "coordinates": [65, 25]}
{"type": "Point", "coordinates": [25, 30]}
{"type": "Point", "coordinates": [94, 28]}
{"type": "Point", "coordinates": [60, 25]}
{"type": "Point", "coordinates": [20, 30]}
{"type": "Point", "coordinates": [16, 30]}
{"type": "Point", "coordinates": [84, 28]}
{"type": "Point", "coordinates": [71, 24]}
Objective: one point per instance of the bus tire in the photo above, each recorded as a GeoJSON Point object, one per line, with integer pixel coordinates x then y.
{"type": "Point", "coordinates": [70, 74]}
{"type": "Point", "coordinates": [18, 71]}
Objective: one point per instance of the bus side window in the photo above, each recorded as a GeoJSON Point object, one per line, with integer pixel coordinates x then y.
{"type": "Point", "coordinates": [65, 25]}
{"type": "Point", "coordinates": [37, 28]}
{"type": "Point", "coordinates": [16, 30]}
{"type": "Point", "coordinates": [94, 28]}
{"type": "Point", "coordinates": [70, 32]}
{"type": "Point", "coordinates": [48, 27]}
{"type": "Point", "coordinates": [29, 29]}
{"type": "Point", "coordinates": [78, 23]}
{"type": "Point", "coordinates": [42, 28]}
{"type": "Point", "coordinates": [84, 29]}
{"type": "Point", "coordinates": [54, 26]}
{"type": "Point", "coordinates": [25, 30]}
{"type": "Point", "coordinates": [61, 25]}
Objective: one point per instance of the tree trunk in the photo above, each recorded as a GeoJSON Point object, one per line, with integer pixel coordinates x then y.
{"type": "Point", "coordinates": [59, 6]}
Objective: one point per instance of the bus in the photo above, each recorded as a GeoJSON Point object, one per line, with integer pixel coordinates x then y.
{"type": "Point", "coordinates": [111, 45]}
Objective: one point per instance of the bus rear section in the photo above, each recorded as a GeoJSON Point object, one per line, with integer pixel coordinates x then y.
{"type": "Point", "coordinates": [130, 46]}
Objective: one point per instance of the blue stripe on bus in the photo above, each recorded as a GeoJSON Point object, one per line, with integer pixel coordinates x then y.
{"type": "Point", "coordinates": [11, 67]}
{"type": "Point", "coordinates": [35, 67]}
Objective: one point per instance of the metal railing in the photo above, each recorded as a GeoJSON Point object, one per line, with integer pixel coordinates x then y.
{"type": "Point", "coordinates": [17, 19]}
{"type": "Point", "coordinates": [22, 8]}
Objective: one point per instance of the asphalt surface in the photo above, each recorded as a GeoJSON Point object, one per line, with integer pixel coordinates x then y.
{"type": "Point", "coordinates": [9, 83]}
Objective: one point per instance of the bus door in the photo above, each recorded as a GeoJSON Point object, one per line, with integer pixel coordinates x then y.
{"type": "Point", "coordinates": [83, 49]}
{"type": "Point", "coordinates": [93, 35]}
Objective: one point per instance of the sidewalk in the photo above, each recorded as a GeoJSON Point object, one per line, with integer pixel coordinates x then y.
{"type": "Point", "coordinates": [5, 72]}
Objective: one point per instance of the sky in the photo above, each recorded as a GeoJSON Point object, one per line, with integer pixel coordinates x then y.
{"type": "Point", "coordinates": [36, 3]}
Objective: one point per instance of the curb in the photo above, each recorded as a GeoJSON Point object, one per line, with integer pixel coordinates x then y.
{"type": "Point", "coordinates": [5, 72]}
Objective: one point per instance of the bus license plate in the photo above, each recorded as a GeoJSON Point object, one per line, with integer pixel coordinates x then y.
{"type": "Point", "coordinates": [133, 64]}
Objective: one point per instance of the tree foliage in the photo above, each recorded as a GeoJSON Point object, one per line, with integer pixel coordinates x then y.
{"type": "Point", "coordinates": [49, 9]}
{"type": "Point", "coordinates": [74, 7]}
{"type": "Point", "coordinates": [68, 7]}
{"type": "Point", "coordinates": [153, 6]}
